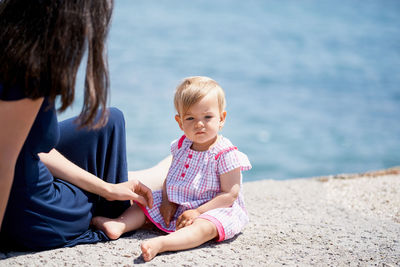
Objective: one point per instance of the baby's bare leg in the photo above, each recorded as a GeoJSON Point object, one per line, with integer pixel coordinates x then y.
{"type": "Point", "coordinates": [191, 236]}
{"type": "Point", "coordinates": [133, 218]}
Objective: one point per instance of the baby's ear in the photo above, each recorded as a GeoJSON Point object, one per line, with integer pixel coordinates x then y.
{"type": "Point", "coordinates": [222, 119]}
{"type": "Point", "coordinates": [179, 121]}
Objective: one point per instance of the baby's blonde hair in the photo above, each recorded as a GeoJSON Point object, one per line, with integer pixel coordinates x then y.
{"type": "Point", "coordinates": [193, 89]}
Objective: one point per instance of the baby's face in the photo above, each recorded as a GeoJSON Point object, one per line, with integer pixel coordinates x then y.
{"type": "Point", "coordinates": [201, 122]}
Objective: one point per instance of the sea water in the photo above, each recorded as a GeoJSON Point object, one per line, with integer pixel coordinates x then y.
{"type": "Point", "coordinates": [313, 87]}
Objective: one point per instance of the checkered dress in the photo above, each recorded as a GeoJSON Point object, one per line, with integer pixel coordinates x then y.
{"type": "Point", "coordinates": [193, 179]}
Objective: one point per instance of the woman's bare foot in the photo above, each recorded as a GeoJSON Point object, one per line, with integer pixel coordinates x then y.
{"type": "Point", "coordinates": [150, 248]}
{"type": "Point", "coordinates": [111, 227]}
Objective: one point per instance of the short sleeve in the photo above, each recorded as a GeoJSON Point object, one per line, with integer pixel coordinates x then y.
{"type": "Point", "coordinates": [12, 93]}
{"type": "Point", "coordinates": [231, 160]}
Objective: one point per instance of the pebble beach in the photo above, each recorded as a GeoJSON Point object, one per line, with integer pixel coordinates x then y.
{"type": "Point", "coordinates": [338, 220]}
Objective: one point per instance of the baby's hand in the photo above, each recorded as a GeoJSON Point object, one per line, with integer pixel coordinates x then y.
{"type": "Point", "coordinates": [187, 218]}
{"type": "Point", "coordinates": [167, 210]}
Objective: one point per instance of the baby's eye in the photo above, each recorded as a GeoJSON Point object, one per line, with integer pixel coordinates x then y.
{"type": "Point", "coordinates": [209, 117]}
{"type": "Point", "coordinates": [189, 118]}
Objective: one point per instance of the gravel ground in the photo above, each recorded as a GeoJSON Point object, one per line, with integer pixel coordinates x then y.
{"type": "Point", "coordinates": [341, 220]}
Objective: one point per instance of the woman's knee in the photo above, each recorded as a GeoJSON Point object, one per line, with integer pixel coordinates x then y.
{"type": "Point", "coordinates": [115, 116]}
{"type": "Point", "coordinates": [115, 113]}
{"type": "Point", "coordinates": [115, 120]}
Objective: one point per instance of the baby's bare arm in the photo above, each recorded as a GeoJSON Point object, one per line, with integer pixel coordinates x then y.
{"type": "Point", "coordinates": [230, 188]}
{"type": "Point", "coordinates": [167, 208]}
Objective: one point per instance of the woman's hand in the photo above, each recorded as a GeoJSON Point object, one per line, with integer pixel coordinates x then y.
{"type": "Point", "coordinates": [187, 218]}
{"type": "Point", "coordinates": [167, 210]}
{"type": "Point", "coordinates": [130, 190]}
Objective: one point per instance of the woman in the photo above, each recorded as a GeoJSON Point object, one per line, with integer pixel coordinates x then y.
{"type": "Point", "coordinates": [49, 172]}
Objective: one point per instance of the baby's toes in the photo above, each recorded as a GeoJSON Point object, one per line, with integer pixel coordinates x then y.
{"type": "Point", "coordinates": [146, 251]}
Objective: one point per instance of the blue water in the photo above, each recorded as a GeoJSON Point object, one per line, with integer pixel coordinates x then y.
{"type": "Point", "coordinates": [313, 87]}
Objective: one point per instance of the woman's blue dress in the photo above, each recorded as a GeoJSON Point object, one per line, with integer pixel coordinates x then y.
{"type": "Point", "coordinates": [44, 212]}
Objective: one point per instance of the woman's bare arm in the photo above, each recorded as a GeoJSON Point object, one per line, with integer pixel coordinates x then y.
{"type": "Point", "coordinates": [16, 119]}
{"type": "Point", "coordinates": [66, 170]}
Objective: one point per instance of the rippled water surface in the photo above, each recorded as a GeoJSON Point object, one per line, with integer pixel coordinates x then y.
{"type": "Point", "coordinates": [313, 87]}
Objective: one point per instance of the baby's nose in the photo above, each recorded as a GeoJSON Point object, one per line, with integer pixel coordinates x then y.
{"type": "Point", "coordinates": [199, 123]}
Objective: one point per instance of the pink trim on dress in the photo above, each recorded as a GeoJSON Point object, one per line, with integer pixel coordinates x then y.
{"type": "Point", "coordinates": [180, 142]}
{"type": "Point", "coordinates": [220, 228]}
{"type": "Point", "coordinates": [159, 226]}
{"type": "Point", "coordinates": [224, 151]}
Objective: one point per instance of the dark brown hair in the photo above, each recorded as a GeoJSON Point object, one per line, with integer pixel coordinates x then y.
{"type": "Point", "coordinates": [42, 43]}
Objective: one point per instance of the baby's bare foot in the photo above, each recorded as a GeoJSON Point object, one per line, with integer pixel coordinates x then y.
{"type": "Point", "coordinates": [111, 227]}
{"type": "Point", "coordinates": [150, 249]}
